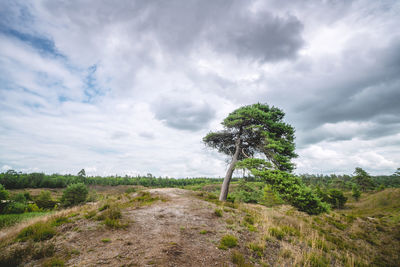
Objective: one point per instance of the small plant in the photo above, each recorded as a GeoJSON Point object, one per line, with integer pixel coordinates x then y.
{"type": "Point", "coordinates": [90, 214]}
{"type": "Point", "coordinates": [60, 220]}
{"type": "Point", "coordinates": [44, 250]}
{"type": "Point", "coordinates": [256, 248]}
{"type": "Point", "coordinates": [277, 233]}
{"type": "Point", "coordinates": [228, 241]}
{"type": "Point", "coordinates": [237, 258]}
{"type": "Point", "coordinates": [106, 240]}
{"type": "Point", "coordinates": [130, 190]}
{"type": "Point", "coordinates": [203, 232]}
{"type": "Point", "coordinates": [104, 207]}
{"type": "Point", "coordinates": [54, 262]}
{"type": "Point", "coordinates": [37, 232]}
{"type": "Point", "coordinates": [249, 219]}
{"type": "Point", "coordinates": [218, 212]}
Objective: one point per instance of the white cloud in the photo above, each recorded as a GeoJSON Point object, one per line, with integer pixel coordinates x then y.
{"type": "Point", "coordinates": [111, 99]}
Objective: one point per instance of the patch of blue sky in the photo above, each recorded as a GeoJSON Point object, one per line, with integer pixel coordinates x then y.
{"type": "Point", "coordinates": [92, 88]}
{"type": "Point", "coordinates": [43, 45]}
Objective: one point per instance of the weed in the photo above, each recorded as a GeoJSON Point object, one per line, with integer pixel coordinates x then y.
{"type": "Point", "coordinates": [44, 250]}
{"type": "Point", "coordinates": [37, 232]}
{"type": "Point", "coordinates": [131, 190]}
{"type": "Point", "coordinates": [317, 260]}
{"type": "Point", "coordinates": [218, 212]}
{"type": "Point", "coordinates": [286, 253]}
{"type": "Point", "coordinates": [229, 221]}
{"type": "Point", "coordinates": [114, 223]}
{"type": "Point", "coordinates": [257, 249]}
{"type": "Point", "coordinates": [277, 233]}
{"type": "Point", "coordinates": [90, 214]}
{"type": "Point", "coordinates": [104, 206]}
{"type": "Point", "coordinates": [228, 241]}
{"type": "Point", "coordinates": [60, 220]}
{"type": "Point", "coordinates": [54, 262]}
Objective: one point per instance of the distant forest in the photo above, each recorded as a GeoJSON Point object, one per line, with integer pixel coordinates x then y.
{"type": "Point", "coordinates": [18, 180]}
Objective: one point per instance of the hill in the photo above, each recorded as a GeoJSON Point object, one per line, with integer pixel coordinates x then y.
{"type": "Point", "coordinates": [176, 227]}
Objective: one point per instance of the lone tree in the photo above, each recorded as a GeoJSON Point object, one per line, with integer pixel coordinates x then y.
{"type": "Point", "coordinates": [254, 130]}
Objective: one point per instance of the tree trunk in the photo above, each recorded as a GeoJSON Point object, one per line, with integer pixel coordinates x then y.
{"type": "Point", "coordinates": [228, 176]}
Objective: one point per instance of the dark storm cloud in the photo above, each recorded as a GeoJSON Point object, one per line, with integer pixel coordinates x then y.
{"type": "Point", "coordinates": [182, 26]}
{"type": "Point", "coordinates": [368, 90]}
{"type": "Point", "coordinates": [184, 114]}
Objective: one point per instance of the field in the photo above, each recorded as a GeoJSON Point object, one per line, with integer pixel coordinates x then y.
{"type": "Point", "coordinates": [137, 226]}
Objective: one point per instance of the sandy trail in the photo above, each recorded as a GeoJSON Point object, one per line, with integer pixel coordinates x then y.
{"type": "Point", "coordinates": [163, 234]}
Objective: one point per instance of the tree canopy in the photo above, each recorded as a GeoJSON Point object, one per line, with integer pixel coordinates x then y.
{"type": "Point", "coordinates": [254, 130]}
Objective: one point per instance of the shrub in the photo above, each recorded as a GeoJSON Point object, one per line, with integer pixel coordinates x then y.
{"type": "Point", "coordinates": [4, 194]}
{"type": "Point", "coordinates": [74, 195]}
{"type": "Point", "coordinates": [45, 201]}
{"type": "Point", "coordinates": [292, 190]}
{"type": "Point", "coordinates": [356, 193]}
{"type": "Point", "coordinates": [248, 193]}
{"type": "Point", "coordinates": [15, 208]}
{"type": "Point", "coordinates": [20, 197]}
{"type": "Point", "coordinates": [228, 241]}
{"type": "Point", "coordinates": [37, 232]}
{"type": "Point", "coordinates": [333, 196]}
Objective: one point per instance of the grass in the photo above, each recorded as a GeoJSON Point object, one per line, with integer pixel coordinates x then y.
{"type": "Point", "coordinates": [54, 262]}
{"type": "Point", "coordinates": [228, 241]}
{"type": "Point", "coordinates": [37, 232]}
{"type": "Point", "coordinates": [7, 220]}
{"type": "Point", "coordinates": [203, 232]}
{"type": "Point", "coordinates": [106, 240]}
{"type": "Point", "coordinates": [218, 212]}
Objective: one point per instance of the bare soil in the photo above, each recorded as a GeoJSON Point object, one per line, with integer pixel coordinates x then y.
{"type": "Point", "coordinates": [162, 234]}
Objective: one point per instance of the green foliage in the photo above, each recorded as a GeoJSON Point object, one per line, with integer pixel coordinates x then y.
{"type": "Point", "coordinates": [247, 193]}
{"type": "Point", "coordinates": [356, 193]}
{"type": "Point", "coordinates": [54, 262]}
{"type": "Point", "coordinates": [15, 208]}
{"type": "Point", "coordinates": [37, 232]}
{"type": "Point", "coordinates": [363, 180]}
{"type": "Point", "coordinates": [74, 195]}
{"type": "Point", "coordinates": [228, 241]}
{"type": "Point", "coordinates": [45, 200]}
{"type": "Point", "coordinates": [260, 129]}
{"type": "Point", "coordinates": [20, 197]}
{"type": "Point", "coordinates": [332, 196]}
{"type": "Point", "coordinates": [290, 189]}
{"type": "Point", "coordinates": [4, 194]}
{"type": "Point", "coordinates": [11, 219]}
{"type": "Point", "coordinates": [277, 232]}
{"type": "Point", "coordinates": [60, 221]}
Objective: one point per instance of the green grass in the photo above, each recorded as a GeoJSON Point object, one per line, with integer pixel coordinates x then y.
{"type": "Point", "coordinates": [37, 232]}
{"type": "Point", "coordinates": [218, 212]}
{"type": "Point", "coordinates": [106, 240]}
{"type": "Point", "coordinates": [7, 220]}
{"type": "Point", "coordinates": [228, 241]}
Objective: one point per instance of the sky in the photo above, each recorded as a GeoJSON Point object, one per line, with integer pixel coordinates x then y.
{"type": "Point", "coordinates": [131, 87]}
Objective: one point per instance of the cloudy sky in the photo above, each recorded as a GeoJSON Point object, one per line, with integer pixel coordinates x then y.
{"type": "Point", "coordinates": [131, 87]}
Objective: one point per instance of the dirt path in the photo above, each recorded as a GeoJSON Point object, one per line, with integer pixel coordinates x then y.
{"type": "Point", "coordinates": [163, 234]}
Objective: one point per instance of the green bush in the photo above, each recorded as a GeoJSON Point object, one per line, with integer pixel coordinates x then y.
{"type": "Point", "coordinates": [20, 197]}
{"type": "Point", "coordinates": [4, 194]}
{"type": "Point", "coordinates": [247, 192]}
{"type": "Point", "coordinates": [74, 195]}
{"type": "Point", "coordinates": [332, 196]}
{"type": "Point", "coordinates": [292, 190]}
{"type": "Point", "coordinates": [15, 208]}
{"type": "Point", "coordinates": [44, 200]}
{"type": "Point", "coordinates": [37, 232]}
